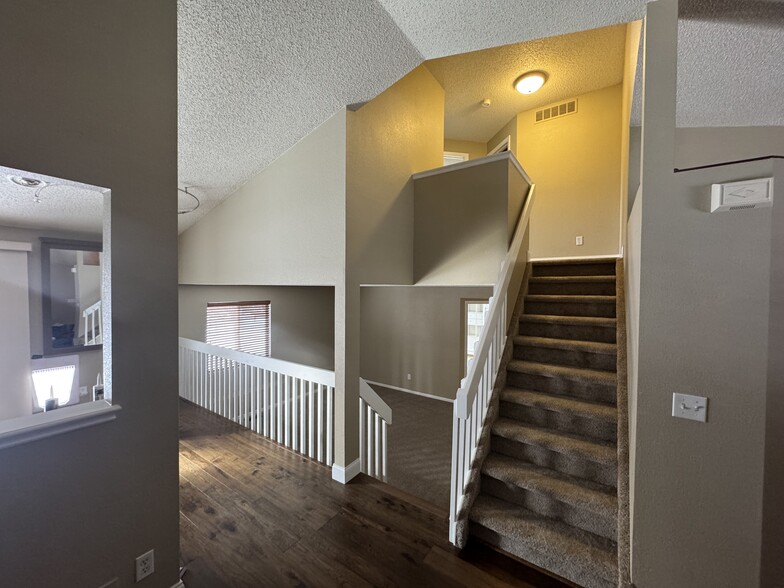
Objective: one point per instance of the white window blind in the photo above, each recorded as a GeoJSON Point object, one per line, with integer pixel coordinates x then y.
{"type": "Point", "coordinates": [242, 326]}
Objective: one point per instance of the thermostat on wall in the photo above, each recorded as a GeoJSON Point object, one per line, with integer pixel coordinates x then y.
{"type": "Point", "coordinates": [743, 195]}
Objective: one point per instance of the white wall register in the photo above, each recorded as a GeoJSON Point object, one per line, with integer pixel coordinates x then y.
{"type": "Point", "coordinates": [744, 195]}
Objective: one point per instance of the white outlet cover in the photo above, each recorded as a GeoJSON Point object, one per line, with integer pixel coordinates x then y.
{"type": "Point", "coordinates": [686, 406]}
{"type": "Point", "coordinates": [145, 565]}
{"type": "Point", "coordinates": [578, 240]}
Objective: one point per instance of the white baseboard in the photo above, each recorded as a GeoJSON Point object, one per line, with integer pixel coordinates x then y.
{"type": "Point", "coordinates": [407, 391]}
{"type": "Point", "coordinates": [576, 258]}
{"type": "Point", "coordinates": [179, 584]}
{"type": "Point", "coordinates": [345, 474]}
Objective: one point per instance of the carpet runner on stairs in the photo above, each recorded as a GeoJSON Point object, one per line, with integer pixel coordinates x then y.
{"type": "Point", "coordinates": [547, 490]}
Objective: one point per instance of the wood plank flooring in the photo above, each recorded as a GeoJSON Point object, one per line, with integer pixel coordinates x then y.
{"type": "Point", "coordinates": [254, 514]}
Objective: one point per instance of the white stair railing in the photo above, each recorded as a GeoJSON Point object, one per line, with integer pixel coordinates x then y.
{"type": "Point", "coordinates": [473, 396]}
{"type": "Point", "coordinates": [93, 324]}
{"type": "Point", "coordinates": [374, 418]}
{"type": "Point", "coordinates": [291, 404]}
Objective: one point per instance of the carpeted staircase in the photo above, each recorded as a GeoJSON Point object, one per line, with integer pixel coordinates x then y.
{"type": "Point", "coordinates": [547, 491]}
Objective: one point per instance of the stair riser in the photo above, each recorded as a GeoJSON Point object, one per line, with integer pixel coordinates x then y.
{"type": "Point", "coordinates": [587, 578]}
{"type": "Point", "coordinates": [571, 332]}
{"type": "Point", "coordinates": [568, 464]}
{"type": "Point", "coordinates": [584, 389]}
{"type": "Point", "coordinates": [580, 288]}
{"type": "Point", "coordinates": [548, 506]}
{"type": "Point", "coordinates": [598, 309]}
{"type": "Point", "coordinates": [568, 423]}
{"type": "Point", "coordinates": [570, 357]}
{"type": "Point", "coordinates": [575, 269]}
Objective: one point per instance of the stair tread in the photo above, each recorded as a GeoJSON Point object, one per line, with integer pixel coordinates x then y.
{"type": "Point", "coordinates": [569, 320]}
{"type": "Point", "coordinates": [569, 444]}
{"type": "Point", "coordinates": [556, 541]}
{"type": "Point", "coordinates": [571, 373]}
{"type": "Point", "coordinates": [560, 403]}
{"type": "Point", "coordinates": [577, 279]}
{"type": "Point", "coordinates": [582, 298]}
{"type": "Point", "coordinates": [570, 344]}
{"type": "Point", "coordinates": [591, 496]}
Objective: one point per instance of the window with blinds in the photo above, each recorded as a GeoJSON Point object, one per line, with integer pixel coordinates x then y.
{"type": "Point", "coordinates": [242, 326]}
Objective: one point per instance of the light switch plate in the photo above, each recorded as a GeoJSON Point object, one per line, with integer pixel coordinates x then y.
{"type": "Point", "coordinates": [686, 406]}
{"type": "Point", "coordinates": [578, 240]}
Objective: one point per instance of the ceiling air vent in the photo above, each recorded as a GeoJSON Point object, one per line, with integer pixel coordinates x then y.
{"type": "Point", "coordinates": [556, 111]}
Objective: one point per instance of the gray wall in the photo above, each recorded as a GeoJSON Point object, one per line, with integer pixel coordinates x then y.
{"type": "Point", "coordinates": [773, 513]}
{"type": "Point", "coordinates": [704, 293]}
{"type": "Point", "coordinates": [416, 330]}
{"type": "Point", "coordinates": [303, 318]}
{"type": "Point", "coordinates": [99, 105]}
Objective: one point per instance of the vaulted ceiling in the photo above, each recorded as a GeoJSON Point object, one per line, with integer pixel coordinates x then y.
{"type": "Point", "coordinates": [256, 76]}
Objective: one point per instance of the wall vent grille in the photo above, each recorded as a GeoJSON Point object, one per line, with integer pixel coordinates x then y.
{"type": "Point", "coordinates": [556, 111]}
{"type": "Point", "coordinates": [743, 207]}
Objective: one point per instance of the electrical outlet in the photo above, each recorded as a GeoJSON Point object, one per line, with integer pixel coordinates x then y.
{"type": "Point", "coordinates": [408, 377]}
{"type": "Point", "coordinates": [578, 240]}
{"type": "Point", "coordinates": [145, 565]}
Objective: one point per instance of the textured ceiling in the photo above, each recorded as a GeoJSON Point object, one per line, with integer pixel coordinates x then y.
{"type": "Point", "coordinates": [730, 63]}
{"type": "Point", "coordinates": [445, 27]}
{"type": "Point", "coordinates": [255, 76]}
{"type": "Point", "coordinates": [65, 205]}
{"type": "Point", "coordinates": [575, 64]}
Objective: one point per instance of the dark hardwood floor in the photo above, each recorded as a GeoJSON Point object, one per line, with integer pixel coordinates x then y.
{"type": "Point", "coordinates": [254, 514]}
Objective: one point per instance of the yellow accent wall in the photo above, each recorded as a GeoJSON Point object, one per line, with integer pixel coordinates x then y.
{"type": "Point", "coordinates": [575, 162]}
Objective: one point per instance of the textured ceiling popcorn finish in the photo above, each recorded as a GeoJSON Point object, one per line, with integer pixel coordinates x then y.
{"type": "Point", "coordinates": [256, 76]}
{"type": "Point", "coordinates": [730, 63]}
{"type": "Point", "coordinates": [64, 205]}
{"type": "Point", "coordinates": [575, 64]}
{"type": "Point", "coordinates": [438, 28]}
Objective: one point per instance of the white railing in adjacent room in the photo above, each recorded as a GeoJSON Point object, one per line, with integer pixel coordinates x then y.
{"type": "Point", "coordinates": [93, 324]}
{"type": "Point", "coordinates": [291, 404]}
{"type": "Point", "coordinates": [375, 416]}
{"type": "Point", "coordinates": [473, 396]}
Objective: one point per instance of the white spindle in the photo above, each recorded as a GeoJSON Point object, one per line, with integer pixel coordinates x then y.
{"type": "Point", "coordinates": [289, 403]}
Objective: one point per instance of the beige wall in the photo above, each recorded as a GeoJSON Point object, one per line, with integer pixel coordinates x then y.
{"type": "Point", "coordinates": [511, 130]}
{"type": "Point", "coordinates": [462, 224]}
{"type": "Point", "coordinates": [302, 326]}
{"type": "Point", "coordinates": [285, 226]}
{"type": "Point", "coordinates": [415, 330]}
{"type": "Point", "coordinates": [101, 108]}
{"type": "Point", "coordinates": [398, 133]}
{"type": "Point", "coordinates": [465, 220]}
{"type": "Point", "coordinates": [633, 33]}
{"type": "Point", "coordinates": [474, 149]}
{"type": "Point", "coordinates": [698, 488]}
{"type": "Point", "coordinates": [575, 162]}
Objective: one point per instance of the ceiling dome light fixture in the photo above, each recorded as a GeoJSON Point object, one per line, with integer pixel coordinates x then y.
{"type": "Point", "coordinates": [530, 82]}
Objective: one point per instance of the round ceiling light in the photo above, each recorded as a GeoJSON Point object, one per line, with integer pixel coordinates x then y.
{"type": "Point", "coordinates": [27, 182]}
{"type": "Point", "coordinates": [530, 82]}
